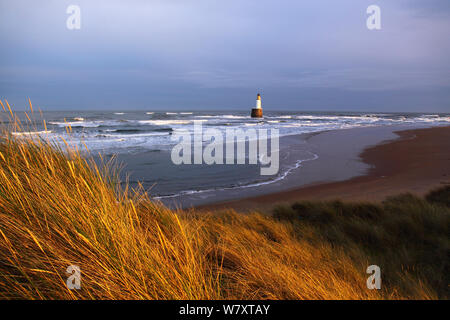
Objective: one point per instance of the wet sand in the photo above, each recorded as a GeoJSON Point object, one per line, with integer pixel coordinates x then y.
{"type": "Point", "coordinates": [416, 162]}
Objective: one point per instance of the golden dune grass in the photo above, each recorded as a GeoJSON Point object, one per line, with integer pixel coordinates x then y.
{"type": "Point", "coordinates": [58, 209]}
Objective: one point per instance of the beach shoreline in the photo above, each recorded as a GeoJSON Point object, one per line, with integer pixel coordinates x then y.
{"type": "Point", "coordinates": [305, 159]}
{"type": "Point", "coordinates": [416, 162]}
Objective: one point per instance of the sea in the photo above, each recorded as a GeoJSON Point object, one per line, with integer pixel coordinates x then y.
{"type": "Point", "coordinates": [142, 142]}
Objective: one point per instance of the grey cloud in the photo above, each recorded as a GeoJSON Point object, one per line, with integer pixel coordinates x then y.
{"type": "Point", "coordinates": [202, 49]}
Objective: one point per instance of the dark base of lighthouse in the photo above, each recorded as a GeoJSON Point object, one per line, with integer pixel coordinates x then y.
{"type": "Point", "coordinates": [257, 113]}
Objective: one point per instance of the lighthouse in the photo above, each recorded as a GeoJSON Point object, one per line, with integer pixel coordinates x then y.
{"type": "Point", "coordinates": [257, 112]}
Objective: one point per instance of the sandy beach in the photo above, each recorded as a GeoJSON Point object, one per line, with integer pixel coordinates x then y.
{"type": "Point", "coordinates": [417, 161]}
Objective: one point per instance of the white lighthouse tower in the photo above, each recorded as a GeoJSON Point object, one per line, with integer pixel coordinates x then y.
{"type": "Point", "coordinates": [257, 112]}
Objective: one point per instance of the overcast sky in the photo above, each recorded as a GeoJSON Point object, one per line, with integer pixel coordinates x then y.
{"type": "Point", "coordinates": [208, 54]}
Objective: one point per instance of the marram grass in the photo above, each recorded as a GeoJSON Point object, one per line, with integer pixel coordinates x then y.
{"type": "Point", "coordinates": [58, 208]}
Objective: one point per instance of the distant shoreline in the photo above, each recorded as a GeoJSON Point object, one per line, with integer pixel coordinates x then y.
{"type": "Point", "coordinates": [419, 160]}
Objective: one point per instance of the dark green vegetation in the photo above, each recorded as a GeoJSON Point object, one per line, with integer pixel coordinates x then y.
{"type": "Point", "coordinates": [404, 234]}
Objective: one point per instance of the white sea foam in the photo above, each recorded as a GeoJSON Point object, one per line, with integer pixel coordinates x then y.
{"type": "Point", "coordinates": [164, 122]}
{"type": "Point", "coordinates": [433, 119]}
{"type": "Point", "coordinates": [134, 135]}
{"type": "Point", "coordinates": [75, 124]}
{"type": "Point", "coordinates": [87, 124]}
{"type": "Point", "coordinates": [325, 117]}
{"type": "Point", "coordinates": [230, 116]}
{"type": "Point", "coordinates": [30, 133]}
